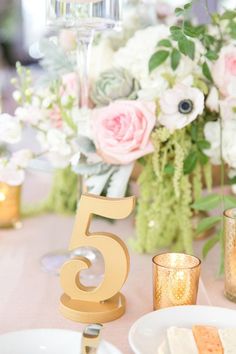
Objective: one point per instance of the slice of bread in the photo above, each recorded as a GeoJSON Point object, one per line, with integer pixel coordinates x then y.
{"type": "Point", "coordinates": [181, 341]}
{"type": "Point", "coordinates": [228, 339]}
{"type": "Point", "coordinates": [207, 340]}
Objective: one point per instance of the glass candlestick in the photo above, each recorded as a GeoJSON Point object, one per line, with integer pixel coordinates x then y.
{"type": "Point", "coordinates": [230, 253]}
{"type": "Point", "coordinates": [10, 206]}
{"type": "Point", "coordinates": [175, 280]}
{"type": "Point", "coordinates": [85, 17]}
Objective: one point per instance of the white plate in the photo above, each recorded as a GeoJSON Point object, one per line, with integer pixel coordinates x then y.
{"type": "Point", "coordinates": [147, 333]}
{"type": "Point", "coordinates": [47, 341]}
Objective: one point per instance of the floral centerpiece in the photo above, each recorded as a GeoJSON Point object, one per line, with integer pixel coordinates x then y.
{"type": "Point", "coordinates": [165, 99]}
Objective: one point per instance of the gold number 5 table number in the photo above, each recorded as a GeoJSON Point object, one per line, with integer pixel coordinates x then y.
{"type": "Point", "coordinates": [103, 303]}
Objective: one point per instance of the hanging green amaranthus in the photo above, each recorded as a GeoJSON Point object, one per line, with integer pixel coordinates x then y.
{"type": "Point", "coordinates": [164, 209]}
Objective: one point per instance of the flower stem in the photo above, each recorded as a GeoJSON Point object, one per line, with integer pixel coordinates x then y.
{"type": "Point", "coordinates": [222, 187]}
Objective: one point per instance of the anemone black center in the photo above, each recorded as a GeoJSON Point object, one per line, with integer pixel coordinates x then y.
{"type": "Point", "coordinates": [185, 106]}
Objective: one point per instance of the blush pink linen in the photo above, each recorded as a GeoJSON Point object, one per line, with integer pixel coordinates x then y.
{"type": "Point", "coordinates": [122, 130]}
{"type": "Point", "coordinates": [224, 71]}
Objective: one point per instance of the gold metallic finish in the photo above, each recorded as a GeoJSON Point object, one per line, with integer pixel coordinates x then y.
{"type": "Point", "coordinates": [103, 303]}
{"type": "Point", "coordinates": [10, 197]}
{"type": "Point", "coordinates": [175, 280]}
{"type": "Point", "coordinates": [230, 253]}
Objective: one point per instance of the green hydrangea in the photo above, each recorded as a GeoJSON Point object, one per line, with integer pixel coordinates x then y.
{"type": "Point", "coordinates": [113, 85]}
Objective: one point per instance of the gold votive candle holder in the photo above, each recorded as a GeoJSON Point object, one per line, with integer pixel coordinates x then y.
{"type": "Point", "coordinates": [10, 198]}
{"type": "Point", "coordinates": [175, 280]}
{"type": "Point", "coordinates": [230, 253]}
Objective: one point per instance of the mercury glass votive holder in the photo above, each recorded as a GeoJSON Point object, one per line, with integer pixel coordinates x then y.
{"type": "Point", "coordinates": [10, 197]}
{"type": "Point", "coordinates": [175, 280]}
{"type": "Point", "coordinates": [230, 253]}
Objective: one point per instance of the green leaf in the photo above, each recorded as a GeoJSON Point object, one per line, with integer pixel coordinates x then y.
{"type": "Point", "coordinates": [229, 201]}
{"type": "Point", "coordinates": [208, 40]}
{"type": "Point", "coordinates": [210, 244]}
{"type": "Point", "coordinates": [207, 223]}
{"type": "Point", "coordinates": [165, 43]}
{"type": "Point", "coordinates": [175, 59]}
{"type": "Point", "coordinates": [188, 6]}
{"type": "Point", "coordinates": [190, 162]}
{"type": "Point", "coordinates": [193, 31]}
{"type": "Point", "coordinates": [228, 15]}
{"type": "Point", "coordinates": [206, 71]}
{"type": "Point", "coordinates": [203, 159]}
{"type": "Point", "coordinates": [187, 47]}
{"type": "Point", "coordinates": [203, 144]}
{"type": "Point", "coordinates": [169, 169]}
{"type": "Point", "coordinates": [194, 132]}
{"type": "Point", "coordinates": [179, 11]}
{"type": "Point", "coordinates": [211, 55]}
{"type": "Point", "coordinates": [207, 203]}
{"type": "Point", "coordinates": [176, 32]}
{"type": "Point", "coordinates": [232, 180]}
{"type": "Point", "coordinates": [157, 59]}
{"type": "Point", "coordinates": [189, 30]}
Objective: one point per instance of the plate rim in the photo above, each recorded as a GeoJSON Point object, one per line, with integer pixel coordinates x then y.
{"type": "Point", "coordinates": [79, 333]}
{"type": "Point", "coordinates": [169, 309]}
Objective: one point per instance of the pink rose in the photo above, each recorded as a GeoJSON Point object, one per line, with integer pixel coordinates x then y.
{"type": "Point", "coordinates": [122, 130]}
{"type": "Point", "coordinates": [224, 71]}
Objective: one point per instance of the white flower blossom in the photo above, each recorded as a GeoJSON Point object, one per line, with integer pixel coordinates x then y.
{"type": "Point", "coordinates": [10, 173]}
{"type": "Point", "coordinates": [17, 96]}
{"type": "Point", "coordinates": [22, 158]}
{"type": "Point", "coordinates": [212, 101]}
{"type": "Point", "coordinates": [10, 129]}
{"type": "Point", "coordinates": [212, 134]}
{"type": "Point", "coordinates": [134, 57]}
{"type": "Point", "coordinates": [57, 142]}
{"type": "Point", "coordinates": [228, 108]}
{"type": "Point", "coordinates": [30, 114]}
{"type": "Point", "coordinates": [180, 106]}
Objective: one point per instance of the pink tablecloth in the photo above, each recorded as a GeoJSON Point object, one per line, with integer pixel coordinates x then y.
{"type": "Point", "coordinates": [29, 297]}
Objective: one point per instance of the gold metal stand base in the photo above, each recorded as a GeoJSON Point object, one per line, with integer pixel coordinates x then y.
{"type": "Point", "coordinates": [91, 312]}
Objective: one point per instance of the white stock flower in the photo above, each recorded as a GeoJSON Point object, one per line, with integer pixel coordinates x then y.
{"type": "Point", "coordinates": [228, 108]}
{"type": "Point", "coordinates": [31, 115]}
{"type": "Point", "coordinates": [180, 106]}
{"type": "Point", "coordinates": [57, 142]}
{"type": "Point", "coordinates": [212, 101]}
{"type": "Point", "coordinates": [22, 158]}
{"type": "Point", "coordinates": [10, 129]}
{"type": "Point", "coordinates": [10, 173]}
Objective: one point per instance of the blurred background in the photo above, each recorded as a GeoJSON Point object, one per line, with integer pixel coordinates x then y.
{"type": "Point", "coordinates": [22, 24]}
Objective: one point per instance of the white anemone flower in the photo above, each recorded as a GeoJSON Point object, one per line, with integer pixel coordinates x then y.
{"type": "Point", "coordinates": [180, 106]}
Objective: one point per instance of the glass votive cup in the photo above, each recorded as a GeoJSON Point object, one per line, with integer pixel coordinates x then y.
{"type": "Point", "coordinates": [10, 198]}
{"type": "Point", "coordinates": [175, 280]}
{"type": "Point", "coordinates": [230, 253]}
